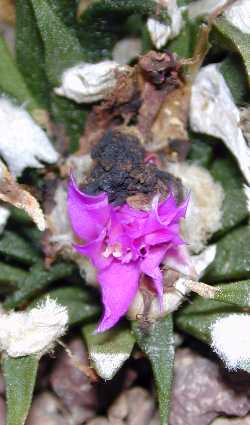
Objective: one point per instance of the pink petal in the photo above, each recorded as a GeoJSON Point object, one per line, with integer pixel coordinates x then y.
{"type": "Point", "coordinates": [116, 233]}
{"type": "Point", "coordinates": [127, 213]}
{"type": "Point", "coordinates": [182, 209]}
{"type": "Point", "coordinates": [168, 212]}
{"type": "Point", "coordinates": [161, 215]}
{"type": "Point", "coordinates": [164, 236]}
{"type": "Point", "coordinates": [119, 283]}
{"type": "Point", "coordinates": [169, 204]}
{"type": "Point", "coordinates": [88, 214]}
{"type": "Point", "coordinates": [150, 267]}
{"type": "Point", "coordinates": [133, 220]}
{"type": "Point", "coordinates": [94, 250]}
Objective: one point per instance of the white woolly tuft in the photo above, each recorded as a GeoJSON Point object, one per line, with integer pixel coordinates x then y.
{"type": "Point", "coordinates": [231, 339]}
{"type": "Point", "coordinates": [204, 211]}
{"type": "Point", "coordinates": [247, 193]}
{"type": "Point", "coordinates": [34, 331]}
{"type": "Point", "coordinates": [22, 142]}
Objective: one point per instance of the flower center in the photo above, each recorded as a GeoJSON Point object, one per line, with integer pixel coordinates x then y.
{"type": "Point", "coordinates": [143, 251]}
{"type": "Point", "coordinates": [115, 250]}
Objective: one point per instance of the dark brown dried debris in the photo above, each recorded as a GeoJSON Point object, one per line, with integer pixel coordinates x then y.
{"type": "Point", "coordinates": [120, 170]}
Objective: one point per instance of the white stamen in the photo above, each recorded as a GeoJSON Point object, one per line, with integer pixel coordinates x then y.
{"type": "Point", "coordinates": [114, 250]}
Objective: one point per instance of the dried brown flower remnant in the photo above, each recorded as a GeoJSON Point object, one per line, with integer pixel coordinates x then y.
{"type": "Point", "coordinates": [136, 99]}
{"type": "Point", "coordinates": [160, 69]}
{"type": "Point", "coordinates": [121, 108]}
{"type": "Point", "coordinates": [120, 169]}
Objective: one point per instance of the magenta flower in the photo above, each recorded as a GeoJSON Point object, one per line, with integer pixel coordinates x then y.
{"type": "Point", "coordinates": [123, 243]}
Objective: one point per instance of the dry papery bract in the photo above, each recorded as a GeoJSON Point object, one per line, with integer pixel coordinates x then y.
{"type": "Point", "coordinates": [238, 14]}
{"type": "Point", "coordinates": [88, 82]}
{"type": "Point", "coordinates": [204, 7]}
{"type": "Point", "coordinates": [16, 195]}
{"type": "Point", "coordinates": [235, 11]}
{"type": "Point", "coordinates": [214, 112]}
